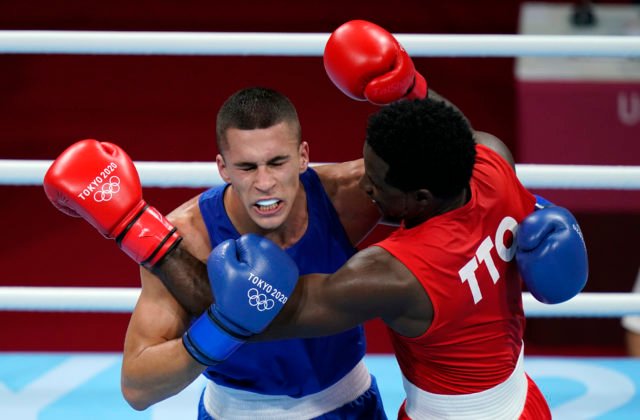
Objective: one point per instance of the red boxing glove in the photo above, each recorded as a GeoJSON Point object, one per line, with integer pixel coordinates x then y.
{"type": "Point", "coordinates": [367, 63]}
{"type": "Point", "coordinates": [98, 182]}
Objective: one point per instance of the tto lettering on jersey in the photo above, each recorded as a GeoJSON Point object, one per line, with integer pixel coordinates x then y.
{"type": "Point", "coordinates": [483, 255]}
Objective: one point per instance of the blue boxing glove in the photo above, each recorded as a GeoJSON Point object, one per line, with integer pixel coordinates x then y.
{"type": "Point", "coordinates": [551, 253]}
{"type": "Point", "coordinates": [251, 279]}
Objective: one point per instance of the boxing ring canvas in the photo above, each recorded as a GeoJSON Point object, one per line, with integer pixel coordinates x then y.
{"type": "Point", "coordinates": [79, 386]}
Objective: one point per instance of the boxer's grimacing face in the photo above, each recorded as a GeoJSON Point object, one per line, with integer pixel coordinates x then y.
{"type": "Point", "coordinates": [263, 166]}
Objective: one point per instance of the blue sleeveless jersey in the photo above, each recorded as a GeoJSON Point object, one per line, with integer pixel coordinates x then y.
{"type": "Point", "coordinates": [295, 367]}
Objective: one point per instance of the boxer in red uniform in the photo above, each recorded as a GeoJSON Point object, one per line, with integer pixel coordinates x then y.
{"type": "Point", "coordinates": [446, 283]}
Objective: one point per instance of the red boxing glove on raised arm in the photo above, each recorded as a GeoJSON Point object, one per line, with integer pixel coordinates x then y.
{"type": "Point", "coordinates": [98, 182]}
{"type": "Point", "coordinates": [368, 64]}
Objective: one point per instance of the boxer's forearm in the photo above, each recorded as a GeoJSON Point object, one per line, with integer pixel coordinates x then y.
{"type": "Point", "coordinates": [157, 373]}
{"type": "Point", "coordinates": [186, 279]}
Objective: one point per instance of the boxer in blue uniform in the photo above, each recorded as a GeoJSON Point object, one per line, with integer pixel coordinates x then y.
{"type": "Point", "coordinates": [296, 368]}
{"type": "Point", "coordinates": [317, 216]}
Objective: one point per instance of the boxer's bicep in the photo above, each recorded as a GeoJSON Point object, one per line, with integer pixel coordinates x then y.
{"type": "Point", "coordinates": [358, 214]}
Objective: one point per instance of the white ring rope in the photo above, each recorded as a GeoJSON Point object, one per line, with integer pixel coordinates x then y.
{"type": "Point", "coordinates": [205, 174]}
{"type": "Point", "coordinates": [307, 44]}
{"type": "Point", "coordinates": [69, 299]}
{"type": "Point", "coordinates": [123, 300]}
{"type": "Point", "coordinates": [152, 174]}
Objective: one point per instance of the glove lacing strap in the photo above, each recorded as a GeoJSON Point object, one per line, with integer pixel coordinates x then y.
{"type": "Point", "coordinates": [127, 228]}
{"type": "Point", "coordinates": [164, 247]}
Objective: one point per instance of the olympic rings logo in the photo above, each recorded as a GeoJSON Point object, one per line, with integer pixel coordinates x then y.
{"type": "Point", "coordinates": [108, 190]}
{"type": "Point", "coordinates": [259, 300]}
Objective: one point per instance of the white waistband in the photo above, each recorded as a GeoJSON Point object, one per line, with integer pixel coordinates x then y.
{"type": "Point", "coordinates": [503, 401]}
{"type": "Point", "coordinates": [222, 402]}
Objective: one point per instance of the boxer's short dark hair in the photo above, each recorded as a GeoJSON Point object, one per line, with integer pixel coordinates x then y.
{"type": "Point", "coordinates": [426, 143]}
{"type": "Point", "coordinates": [254, 108]}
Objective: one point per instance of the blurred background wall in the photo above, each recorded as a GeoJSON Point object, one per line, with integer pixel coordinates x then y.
{"type": "Point", "coordinates": [163, 108]}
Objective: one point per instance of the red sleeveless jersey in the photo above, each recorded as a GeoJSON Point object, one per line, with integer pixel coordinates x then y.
{"type": "Point", "coordinates": [465, 260]}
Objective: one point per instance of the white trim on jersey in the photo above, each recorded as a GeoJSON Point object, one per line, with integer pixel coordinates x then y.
{"type": "Point", "coordinates": [503, 401]}
{"type": "Point", "coordinates": [227, 403]}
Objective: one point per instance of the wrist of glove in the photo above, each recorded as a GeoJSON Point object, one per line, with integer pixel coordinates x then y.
{"type": "Point", "coordinates": [542, 202]}
{"type": "Point", "coordinates": [209, 342]}
{"type": "Point", "coordinates": [148, 236]}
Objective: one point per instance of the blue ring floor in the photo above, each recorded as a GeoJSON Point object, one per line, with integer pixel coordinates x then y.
{"type": "Point", "coordinates": [69, 386]}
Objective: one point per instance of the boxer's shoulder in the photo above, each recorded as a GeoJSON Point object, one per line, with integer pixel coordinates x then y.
{"type": "Point", "coordinates": [340, 178]}
{"type": "Point", "coordinates": [187, 218]}
{"type": "Point", "coordinates": [357, 213]}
